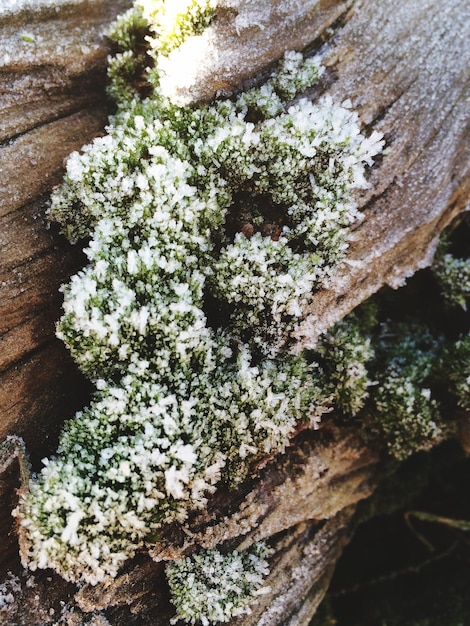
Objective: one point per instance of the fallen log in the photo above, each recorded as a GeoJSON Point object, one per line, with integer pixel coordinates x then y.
{"type": "Point", "coordinates": [404, 66]}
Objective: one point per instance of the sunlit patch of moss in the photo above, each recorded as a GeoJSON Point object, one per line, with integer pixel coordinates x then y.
{"type": "Point", "coordinates": [174, 22]}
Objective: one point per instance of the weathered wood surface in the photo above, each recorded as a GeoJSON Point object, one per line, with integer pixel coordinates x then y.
{"type": "Point", "coordinates": [52, 68]}
{"type": "Point", "coordinates": [405, 67]}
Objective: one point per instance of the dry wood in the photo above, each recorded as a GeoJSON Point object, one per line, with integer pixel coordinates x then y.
{"type": "Point", "coordinates": [405, 67]}
{"type": "Point", "coordinates": [52, 102]}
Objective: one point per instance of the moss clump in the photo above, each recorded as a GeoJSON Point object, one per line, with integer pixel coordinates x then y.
{"type": "Point", "coordinates": [404, 408]}
{"type": "Point", "coordinates": [422, 355]}
{"type": "Point", "coordinates": [345, 353]}
{"type": "Point", "coordinates": [174, 22]}
{"type": "Point", "coordinates": [458, 358]}
{"type": "Point", "coordinates": [208, 229]}
{"type": "Point", "coordinates": [211, 587]}
{"type": "Point", "coordinates": [453, 275]}
{"type": "Point", "coordinates": [146, 35]}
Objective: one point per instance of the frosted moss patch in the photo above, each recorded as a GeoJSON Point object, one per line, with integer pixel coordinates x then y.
{"type": "Point", "coordinates": [208, 230]}
{"type": "Point", "coordinates": [210, 587]}
{"type": "Point", "coordinates": [453, 275]}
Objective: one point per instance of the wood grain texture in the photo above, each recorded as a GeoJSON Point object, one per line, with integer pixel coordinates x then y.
{"type": "Point", "coordinates": [244, 40]}
{"type": "Point", "coordinates": [52, 101]}
{"type": "Point", "coordinates": [405, 67]}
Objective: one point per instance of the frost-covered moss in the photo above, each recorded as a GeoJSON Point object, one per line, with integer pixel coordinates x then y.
{"type": "Point", "coordinates": [451, 269]}
{"type": "Point", "coordinates": [404, 409]}
{"type": "Point", "coordinates": [130, 28]}
{"type": "Point", "coordinates": [148, 449]}
{"type": "Point", "coordinates": [286, 183]}
{"type": "Point", "coordinates": [207, 234]}
{"type": "Point", "coordinates": [458, 359]}
{"type": "Point", "coordinates": [166, 24]}
{"type": "Point", "coordinates": [147, 34]}
{"type": "Point", "coordinates": [174, 22]}
{"type": "Point", "coordinates": [453, 275]}
{"type": "Point", "coordinates": [211, 587]}
{"type": "Point", "coordinates": [422, 364]}
{"type": "Point", "coordinates": [345, 353]}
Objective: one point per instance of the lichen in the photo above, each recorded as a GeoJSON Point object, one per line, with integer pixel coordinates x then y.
{"type": "Point", "coordinates": [208, 229]}
{"type": "Point", "coordinates": [211, 587]}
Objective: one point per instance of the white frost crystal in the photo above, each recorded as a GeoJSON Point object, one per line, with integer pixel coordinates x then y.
{"type": "Point", "coordinates": [208, 230]}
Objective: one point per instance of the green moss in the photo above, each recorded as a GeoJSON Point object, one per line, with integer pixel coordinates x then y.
{"type": "Point", "coordinates": [129, 29]}
{"type": "Point", "coordinates": [211, 587]}
{"type": "Point", "coordinates": [175, 22]}
{"type": "Point", "coordinates": [458, 360]}
{"type": "Point", "coordinates": [345, 353]}
{"type": "Point", "coordinates": [404, 409]}
{"type": "Point", "coordinates": [452, 274]}
{"type": "Point", "coordinates": [454, 278]}
{"type": "Point", "coordinates": [207, 235]}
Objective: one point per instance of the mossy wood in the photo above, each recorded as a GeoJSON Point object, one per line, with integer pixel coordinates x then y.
{"type": "Point", "coordinates": [405, 67]}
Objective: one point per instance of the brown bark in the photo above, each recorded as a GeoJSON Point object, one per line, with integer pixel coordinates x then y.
{"type": "Point", "coordinates": [52, 102]}
{"type": "Point", "coordinates": [405, 67]}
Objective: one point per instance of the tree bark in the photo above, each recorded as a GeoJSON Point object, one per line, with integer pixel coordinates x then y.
{"type": "Point", "coordinates": [405, 67]}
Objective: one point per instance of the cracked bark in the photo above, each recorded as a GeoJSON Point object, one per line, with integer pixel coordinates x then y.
{"type": "Point", "coordinates": [405, 67]}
